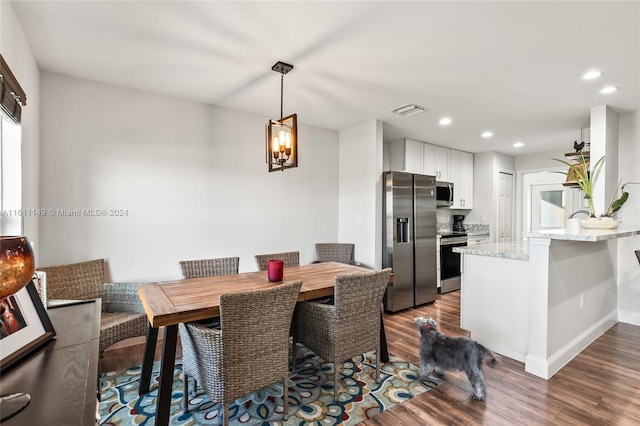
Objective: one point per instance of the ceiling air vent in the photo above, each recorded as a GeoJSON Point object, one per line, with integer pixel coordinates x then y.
{"type": "Point", "coordinates": [409, 110]}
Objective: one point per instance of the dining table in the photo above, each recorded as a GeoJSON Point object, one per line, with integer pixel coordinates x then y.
{"type": "Point", "coordinates": [170, 303]}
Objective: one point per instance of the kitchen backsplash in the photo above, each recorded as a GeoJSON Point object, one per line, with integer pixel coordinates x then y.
{"type": "Point", "coordinates": [471, 228]}
{"type": "Point", "coordinates": [477, 228]}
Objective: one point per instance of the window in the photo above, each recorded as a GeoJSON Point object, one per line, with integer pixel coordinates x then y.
{"type": "Point", "coordinates": [12, 99]}
{"type": "Point", "coordinates": [10, 177]}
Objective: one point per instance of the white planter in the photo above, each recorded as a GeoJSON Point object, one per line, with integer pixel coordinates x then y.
{"type": "Point", "coordinates": [600, 223]}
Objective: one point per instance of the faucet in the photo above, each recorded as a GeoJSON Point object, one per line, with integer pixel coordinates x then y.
{"type": "Point", "coordinates": [579, 211]}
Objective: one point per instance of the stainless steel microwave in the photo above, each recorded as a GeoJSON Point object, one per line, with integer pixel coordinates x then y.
{"type": "Point", "coordinates": [444, 194]}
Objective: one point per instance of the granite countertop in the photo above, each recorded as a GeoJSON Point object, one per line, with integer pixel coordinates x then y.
{"type": "Point", "coordinates": [478, 234]}
{"type": "Point", "coordinates": [584, 234]}
{"type": "Point", "coordinates": [518, 250]}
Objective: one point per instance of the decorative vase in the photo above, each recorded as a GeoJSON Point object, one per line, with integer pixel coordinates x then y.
{"type": "Point", "coordinates": [275, 270]}
{"type": "Point", "coordinates": [16, 264]}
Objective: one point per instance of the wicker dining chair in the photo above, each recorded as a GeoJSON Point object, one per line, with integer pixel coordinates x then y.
{"type": "Point", "coordinates": [122, 314]}
{"type": "Point", "coordinates": [290, 258]}
{"type": "Point", "coordinates": [209, 267]}
{"type": "Point", "coordinates": [335, 252]}
{"type": "Point", "coordinates": [349, 327]}
{"type": "Point", "coordinates": [250, 350]}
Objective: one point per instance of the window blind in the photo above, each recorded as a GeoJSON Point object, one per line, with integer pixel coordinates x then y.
{"type": "Point", "coordinates": [12, 97]}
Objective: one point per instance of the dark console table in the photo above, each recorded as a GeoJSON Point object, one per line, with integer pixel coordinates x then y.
{"type": "Point", "coordinates": [62, 375]}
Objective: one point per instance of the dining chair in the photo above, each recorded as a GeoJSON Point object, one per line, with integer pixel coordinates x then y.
{"type": "Point", "coordinates": [290, 258]}
{"type": "Point", "coordinates": [349, 327]}
{"type": "Point", "coordinates": [249, 351]}
{"type": "Point", "coordinates": [209, 267]}
{"type": "Point", "coordinates": [335, 252]}
{"type": "Point", "coordinates": [122, 314]}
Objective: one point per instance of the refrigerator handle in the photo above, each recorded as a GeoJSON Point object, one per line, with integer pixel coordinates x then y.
{"type": "Point", "coordinates": [402, 230]}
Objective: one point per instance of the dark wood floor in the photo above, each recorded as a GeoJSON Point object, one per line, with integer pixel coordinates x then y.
{"type": "Point", "coordinates": [601, 386]}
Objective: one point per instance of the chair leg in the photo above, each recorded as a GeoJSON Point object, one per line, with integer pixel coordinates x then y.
{"type": "Point", "coordinates": [285, 397]}
{"type": "Point", "coordinates": [335, 381]}
{"type": "Point", "coordinates": [295, 356]}
{"type": "Point", "coordinates": [225, 413]}
{"type": "Point", "coordinates": [185, 383]}
{"type": "Point", "coordinates": [378, 365]}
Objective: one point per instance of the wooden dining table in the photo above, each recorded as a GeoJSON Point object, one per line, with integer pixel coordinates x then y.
{"type": "Point", "coordinates": [173, 302]}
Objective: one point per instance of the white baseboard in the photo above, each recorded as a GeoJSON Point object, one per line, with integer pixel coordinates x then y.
{"type": "Point", "coordinates": [629, 317]}
{"type": "Point", "coordinates": [546, 368]}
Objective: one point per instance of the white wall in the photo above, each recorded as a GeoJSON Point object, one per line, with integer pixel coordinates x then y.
{"type": "Point", "coordinates": [192, 178]}
{"type": "Point", "coordinates": [628, 267]}
{"type": "Point", "coordinates": [17, 52]}
{"type": "Point", "coordinates": [361, 162]}
{"type": "Point", "coordinates": [604, 143]}
{"type": "Point", "coordinates": [486, 166]}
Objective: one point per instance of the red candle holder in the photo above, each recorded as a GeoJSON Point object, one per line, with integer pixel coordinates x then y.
{"type": "Point", "coordinates": [275, 270]}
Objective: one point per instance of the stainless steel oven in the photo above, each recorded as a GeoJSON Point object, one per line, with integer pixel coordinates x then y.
{"type": "Point", "coordinates": [450, 261]}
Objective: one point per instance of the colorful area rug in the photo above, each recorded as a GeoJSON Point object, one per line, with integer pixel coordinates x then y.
{"type": "Point", "coordinates": [310, 395]}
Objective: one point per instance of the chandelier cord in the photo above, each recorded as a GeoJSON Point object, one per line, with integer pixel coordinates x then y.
{"type": "Point", "coordinates": [281, 95]}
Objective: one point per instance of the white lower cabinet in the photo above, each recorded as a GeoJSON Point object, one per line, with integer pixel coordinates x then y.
{"type": "Point", "coordinates": [474, 240]}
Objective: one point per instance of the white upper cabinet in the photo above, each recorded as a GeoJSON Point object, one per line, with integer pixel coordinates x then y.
{"type": "Point", "coordinates": [435, 161]}
{"type": "Point", "coordinates": [448, 165]}
{"type": "Point", "coordinates": [406, 156]}
{"type": "Point", "coordinates": [461, 172]}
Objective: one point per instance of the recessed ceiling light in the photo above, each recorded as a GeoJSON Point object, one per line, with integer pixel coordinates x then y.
{"type": "Point", "coordinates": [445, 121]}
{"type": "Point", "coordinates": [518, 145]}
{"type": "Point", "coordinates": [487, 134]}
{"type": "Point", "coordinates": [592, 74]}
{"type": "Point", "coordinates": [609, 89]}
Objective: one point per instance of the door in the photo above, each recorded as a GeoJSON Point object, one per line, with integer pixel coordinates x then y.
{"type": "Point", "coordinates": [505, 207]}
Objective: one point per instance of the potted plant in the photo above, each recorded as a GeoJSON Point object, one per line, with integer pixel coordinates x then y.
{"type": "Point", "coordinates": [581, 175]}
{"type": "Point", "coordinates": [585, 178]}
{"type": "Point", "coordinates": [617, 202]}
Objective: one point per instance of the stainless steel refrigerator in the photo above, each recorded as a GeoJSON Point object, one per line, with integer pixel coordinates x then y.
{"type": "Point", "coordinates": [409, 239]}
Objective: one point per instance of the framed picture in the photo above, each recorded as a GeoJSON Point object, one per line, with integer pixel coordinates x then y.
{"type": "Point", "coordinates": [24, 325]}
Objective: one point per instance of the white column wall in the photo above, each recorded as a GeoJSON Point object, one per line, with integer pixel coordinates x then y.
{"type": "Point", "coordinates": [628, 266]}
{"type": "Point", "coordinates": [361, 191]}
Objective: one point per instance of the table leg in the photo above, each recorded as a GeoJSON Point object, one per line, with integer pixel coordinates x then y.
{"type": "Point", "coordinates": [147, 360]}
{"type": "Point", "coordinates": [384, 350]}
{"type": "Point", "coordinates": [163, 404]}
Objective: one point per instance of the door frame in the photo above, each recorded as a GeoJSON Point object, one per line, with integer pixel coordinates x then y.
{"type": "Point", "coordinates": [525, 178]}
{"type": "Point", "coordinates": [497, 203]}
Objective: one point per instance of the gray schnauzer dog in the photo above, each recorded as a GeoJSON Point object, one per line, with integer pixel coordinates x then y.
{"type": "Point", "coordinates": [440, 353]}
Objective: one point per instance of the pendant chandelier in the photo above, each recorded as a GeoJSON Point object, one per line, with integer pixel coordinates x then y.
{"type": "Point", "coordinates": [282, 134]}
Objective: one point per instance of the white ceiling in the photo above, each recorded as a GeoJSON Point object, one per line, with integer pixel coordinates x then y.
{"type": "Point", "coordinates": [510, 67]}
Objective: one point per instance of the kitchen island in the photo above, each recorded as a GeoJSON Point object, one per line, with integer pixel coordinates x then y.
{"type": "Point", "coordinates": [541, 300]}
